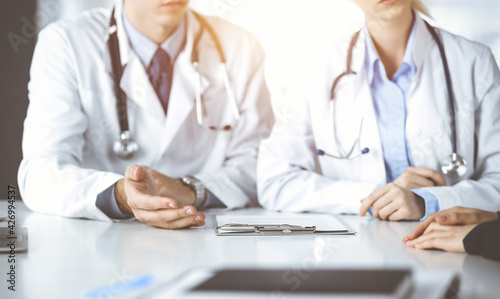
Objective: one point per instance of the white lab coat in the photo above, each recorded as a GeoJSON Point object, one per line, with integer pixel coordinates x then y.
{"type": "Point", "coordinates": [71, 122]}
{"type": "Point", "coordinates": [292, 178]}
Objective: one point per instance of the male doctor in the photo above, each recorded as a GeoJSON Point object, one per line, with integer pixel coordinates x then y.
{"type": "Point", "coordinates": [69, 167]}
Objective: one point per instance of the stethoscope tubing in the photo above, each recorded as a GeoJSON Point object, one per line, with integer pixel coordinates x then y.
{"type": "Point", "coordinates": [121, 101]}
{"type": "Point", "coordinates": [349, 71]}
{"type": "Point", "coordinates": [125, 147]}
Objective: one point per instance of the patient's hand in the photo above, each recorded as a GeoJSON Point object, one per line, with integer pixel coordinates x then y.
{"type": "Point", "coordinates": [444, 237]}
{"type": "Point", "coordinates": [453, 216]}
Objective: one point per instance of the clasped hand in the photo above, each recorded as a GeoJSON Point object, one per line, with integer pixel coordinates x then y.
{"type": "Point", "coordinates": [395, 201]}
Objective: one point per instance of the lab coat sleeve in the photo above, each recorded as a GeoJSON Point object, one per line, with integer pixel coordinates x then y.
{"type": "Point", "coordinates": [482, 191]}
{"type": "Point", "coordinates": [234, 184]}
{"type": "Point", "coordinates": [287, 171]}
{"type": "Point", "coordinates": [50, 177]}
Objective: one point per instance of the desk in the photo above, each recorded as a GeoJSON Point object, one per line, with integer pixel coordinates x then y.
{"type": "Point", "coordinates": [67, 257]}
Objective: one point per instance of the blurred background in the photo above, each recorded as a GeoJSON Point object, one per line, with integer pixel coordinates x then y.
{"type": "Point", "coordinates": [287, 29]}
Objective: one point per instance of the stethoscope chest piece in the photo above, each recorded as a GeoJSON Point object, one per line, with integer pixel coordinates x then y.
{"type": "Point", "coordinates": [125, 147]}
{"type": "Point", "coordinates": [454, 166]}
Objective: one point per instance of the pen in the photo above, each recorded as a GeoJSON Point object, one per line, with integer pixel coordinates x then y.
{"type": "Point", "coordinates": [135, 284]}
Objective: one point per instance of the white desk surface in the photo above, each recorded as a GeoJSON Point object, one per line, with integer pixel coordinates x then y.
{"type": "Point", "coordinates": [68, 257]}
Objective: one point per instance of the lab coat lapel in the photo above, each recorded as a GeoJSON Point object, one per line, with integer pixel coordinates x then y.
{"type": "Point", "coordinates": [423, 41]}
{"type": "Point", "coordinates": [370, 137]}
{"type": "Point", "coordinates": [182, 95]}
{"type": "Point", "coordinates": [428, 100]}
{"type": "Point", "coordinates": [135, 82]}
{"type": "Point", "coordinates": [136, 85]}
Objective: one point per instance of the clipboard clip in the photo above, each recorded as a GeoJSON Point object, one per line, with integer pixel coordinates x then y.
{"type": "Point", "coordinates": [263, 229]}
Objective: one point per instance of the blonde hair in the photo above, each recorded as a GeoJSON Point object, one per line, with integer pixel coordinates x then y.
{"type": "Point", "coordinates": [419, 6]}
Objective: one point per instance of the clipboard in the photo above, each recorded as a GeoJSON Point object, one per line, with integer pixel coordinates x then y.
{"type": "Point", "coordinates": [279, 224]}
{"type": "Point", "coordinates": [263, 229]}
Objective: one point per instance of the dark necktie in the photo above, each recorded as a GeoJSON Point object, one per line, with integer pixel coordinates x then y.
{"type": "Point", "coordinates": [160, 74]}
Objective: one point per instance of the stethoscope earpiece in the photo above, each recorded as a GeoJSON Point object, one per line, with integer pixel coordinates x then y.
{"type": "Point", "coordinates": [320, 152]}
{"type": "Point", "coordinates": [350, 156]}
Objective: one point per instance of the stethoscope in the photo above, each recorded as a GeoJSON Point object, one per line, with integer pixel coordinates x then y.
{"type": "Point", "coordinates": [125, 146]}
{"type": "Point", "coordinates": [453, 166]}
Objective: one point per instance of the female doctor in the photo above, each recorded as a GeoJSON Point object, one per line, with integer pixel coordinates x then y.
{"type": "Point", "coordinates": [150, 83]}
{"type": "Point", "coordinates": [400, 120]}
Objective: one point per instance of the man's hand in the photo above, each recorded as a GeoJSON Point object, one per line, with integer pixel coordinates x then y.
{"type": "Point", "coordinates": [392, 202]}
{"type": "Point", "coordinates": [418, 177]}
{"type": "Point", "coordinates": [173, 188]}
{"type": "Point", "coordinates": [138, 194]}
{"type": "Point", "coordinates": [444, 237]}
{"type": "Point", "coordinates": [453, 216]}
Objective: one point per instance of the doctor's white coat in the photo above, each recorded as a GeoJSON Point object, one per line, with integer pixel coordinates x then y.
{"type": "Point", "coordinates": [292, 178]}
{"type": "Point", "coordinates": [72, 123]}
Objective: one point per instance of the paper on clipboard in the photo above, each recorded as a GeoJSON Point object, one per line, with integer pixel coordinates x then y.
{"type": "Point", "coordinates": [325, 224]}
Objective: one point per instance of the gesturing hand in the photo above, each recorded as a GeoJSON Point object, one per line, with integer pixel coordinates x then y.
{"type": "Point", "coordinates": [172, 188]}
{"type": "Point", "coordinates": [138, 193]}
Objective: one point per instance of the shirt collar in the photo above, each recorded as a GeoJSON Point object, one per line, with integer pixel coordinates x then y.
{"type": "Point", "coordinates": [372, 56]}
{"type": "Point", "coordinates": [145, 48]}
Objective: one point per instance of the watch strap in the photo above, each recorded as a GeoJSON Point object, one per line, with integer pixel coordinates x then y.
{"type": "Point", "coordinates": [199, 190]}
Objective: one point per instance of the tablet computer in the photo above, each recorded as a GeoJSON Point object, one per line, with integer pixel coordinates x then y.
{"type": "Point", "coordinates": [289, 283]}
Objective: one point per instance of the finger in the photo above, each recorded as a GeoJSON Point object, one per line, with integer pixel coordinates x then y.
{"type": "Point", "coordinates": [398, 215]}
{"type": "Point", "coordinates": [456, 218]}
{"type": "Point", "coordinates": [424, 239]}
{"type": "Point", "coordinates": [435, 227]}
{"type": "Point", "coordinates": [429, 173]}
{"type": "Point", "coordinates": [419, 230]}
{"type": "Point", "coordinates": [368, 202]}
{"type": "Point", "coordinates": [382, 202]}
{"type": "Point", "coordinates": [165, 215]}
{"type": "Point", "coordinates": [151, 202]}
{"type": "Point", "coordinates": [417, 181]}
{"type": "Point", "coordinates": [199, 224]}
{"type": "Point", "coordinates": [432, 243]}
{"type": "Point", "coordinates": [388, 210]}
{"type": "Point", "coordinates": [135, 173]}
{"type": "Point", "coordinates": [196, 220]}
{"type": "Point", "coordinates": [152, 171]}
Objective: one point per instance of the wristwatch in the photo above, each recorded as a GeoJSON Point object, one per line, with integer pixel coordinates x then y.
{"type": "Point", "coordinates": [199, 190]}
